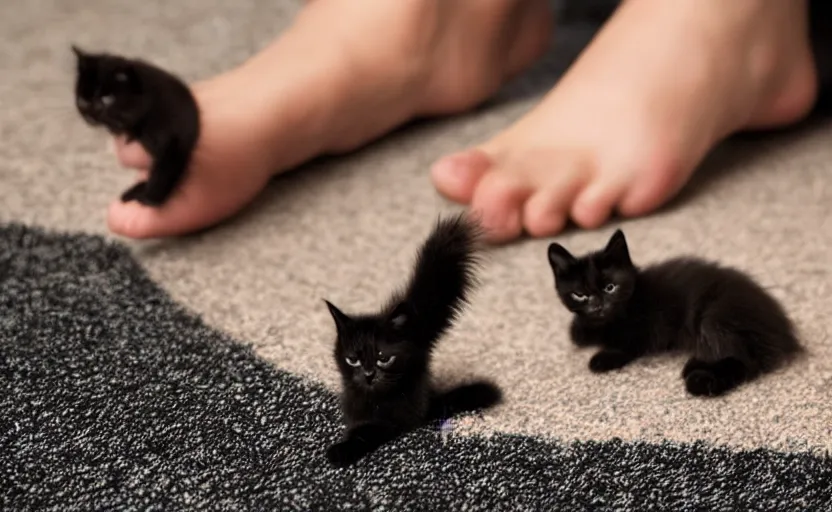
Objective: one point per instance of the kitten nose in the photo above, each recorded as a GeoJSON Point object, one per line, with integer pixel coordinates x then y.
{"type": "Point", "coordinates": [369, 373]}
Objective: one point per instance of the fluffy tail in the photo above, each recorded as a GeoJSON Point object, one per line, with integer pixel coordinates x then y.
{"type": "Point", "coordinates": [441, 283]}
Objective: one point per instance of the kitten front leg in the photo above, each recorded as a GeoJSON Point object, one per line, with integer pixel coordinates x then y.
{"type": "Point", "coordinates": [169, 167]}
{"type": "Point", "coordinates": [608, 359]}
{"type": "Point", "coordinates": [135, 133]}
{"type": "Point", "coordinates": [135, 192]}
{"type": "Point", "coordinates": [581, 335]}
{"type": "Point", "coordinates": [360, 441]}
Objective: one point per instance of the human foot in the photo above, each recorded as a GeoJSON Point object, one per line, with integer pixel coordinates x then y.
{"type": "Point", "coordinates": [661, 84]}
{"type": "Point", "coordinates": [345, 73]}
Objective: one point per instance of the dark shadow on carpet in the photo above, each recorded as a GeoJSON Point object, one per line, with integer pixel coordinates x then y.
{"type": "Point", "coordinates": [113, 397]}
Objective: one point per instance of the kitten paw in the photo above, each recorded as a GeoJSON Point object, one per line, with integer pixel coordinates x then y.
{"type": "Point", "coordinates": [152, 198]}
{"type": "Point", "coordinates": [134, 193]}
{"type": "Point", "coordinates": [701, 382]}
{"type": "Point", "coordinates": [580, 337]}
{"type": "Point", "coordinates": [691, 366]}
{"type": "Point", "coordinates": [342, 455]}
{"type": "Point", "coordinates": [141, 193]}
{"type": "Point", "coordinates": [608, 360]}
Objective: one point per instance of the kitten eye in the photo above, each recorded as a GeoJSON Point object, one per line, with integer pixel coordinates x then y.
{"type": "Point", "coordinates": [579, 297]}
{"type": "Point", "coordinates": [107, 100]}
{"type": "Point", "coordinates": [353, 362]}
{"type": "Point", "coordinates": [385, 362]}
{"type": "Point", "coordinates": [610, 288]}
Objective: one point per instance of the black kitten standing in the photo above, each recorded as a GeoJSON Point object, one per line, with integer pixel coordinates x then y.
{"type": "Point", "coordinates": [144, 103]}
{"type": "Point", "coordinates": [384, 358]}
{"type": "Point", "coordinates": [732, 327]}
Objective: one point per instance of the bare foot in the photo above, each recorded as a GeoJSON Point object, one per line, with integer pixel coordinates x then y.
{"type": "Point", "coordinates": [346, 72]}
{"type": "Point", "coordinates": [661, 84]}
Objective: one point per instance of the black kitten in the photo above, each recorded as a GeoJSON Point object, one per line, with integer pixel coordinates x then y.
{"type": "Point", "coordinates": [384, 358]}
{"type": "Point", "coordinates": [732, 327]}
{"type": "Point", "coordinates": [144, 103]}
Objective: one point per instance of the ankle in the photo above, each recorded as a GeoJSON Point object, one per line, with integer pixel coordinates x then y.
{"type": "Point", "coordinates": [781, 63]}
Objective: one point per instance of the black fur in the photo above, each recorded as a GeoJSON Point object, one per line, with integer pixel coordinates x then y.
{"type": "Point", "coordinates": [384, 358]}
{"type": "Point", "coordinates": [732, 327]}
{"type": "Point", "coordinates": [146, 104]}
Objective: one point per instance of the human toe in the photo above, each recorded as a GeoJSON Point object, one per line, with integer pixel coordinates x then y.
{"type": "Point", "coordinates": [456, 176]}
{"type": "Point", "coordinates": [498, 200]}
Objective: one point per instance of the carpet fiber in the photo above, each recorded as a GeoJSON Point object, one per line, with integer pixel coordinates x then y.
{"type": "Point", "coordinates": [112, 392]}
{"type": "Point", "coordinates": [115, 397]}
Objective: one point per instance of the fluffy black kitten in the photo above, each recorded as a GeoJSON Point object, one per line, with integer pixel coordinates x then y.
{"type": "Point", "coordinates": [384, 358]}
{"type": "Point", "coordinates": [732, 327]}
{"type": "Point", "coordinates": [144, 103]}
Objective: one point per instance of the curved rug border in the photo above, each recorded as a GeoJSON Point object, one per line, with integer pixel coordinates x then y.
{"type": "Point", "coordinates": [112, 396]}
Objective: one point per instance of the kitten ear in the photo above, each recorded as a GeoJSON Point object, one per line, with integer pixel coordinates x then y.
{"type": "Point", "coordinates": [617, 247]}
{"type": "Point", "coordinates": [342, 320]}
{"type": "Point", "coordinates": [559, 258]}
{"type": "Point", "coordinates": [401, 315]}
{"type": "Point", "coordinates": [83, 58]}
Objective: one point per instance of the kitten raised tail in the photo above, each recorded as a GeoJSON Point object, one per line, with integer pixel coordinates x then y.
{"type": "Point", "coordinates": [384, 358]}
{"type": "Point", "coordinates": [439, 288]}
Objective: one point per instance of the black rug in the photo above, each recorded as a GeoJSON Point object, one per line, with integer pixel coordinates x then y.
{"type": "Point", "coordinates": [112, 397]}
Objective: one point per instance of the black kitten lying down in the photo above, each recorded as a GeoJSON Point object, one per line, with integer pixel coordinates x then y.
{"type": "Point", "coordinates": [384, 358]}
{"type": "Point", "coordinates": [143, 103]}
{"type": "Point", "coordinates": [732, 327]}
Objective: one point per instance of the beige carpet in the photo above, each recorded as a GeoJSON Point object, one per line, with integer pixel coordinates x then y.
{"type": "Point", "coordinates": [346, 229]}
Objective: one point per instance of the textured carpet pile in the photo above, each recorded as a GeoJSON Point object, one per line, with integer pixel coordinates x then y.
{"type": "Point", "coordinates": [115, 395]}
{"type": "Point", "coordinates": [112, 396]}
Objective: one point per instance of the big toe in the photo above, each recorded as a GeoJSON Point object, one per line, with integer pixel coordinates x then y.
{"type": "Point", "coordinates": [457, 176]}
{"type": "Point", "coordinates": [135, 220]}
{"type": "Point", "coordinates": [498, 201]}
{"type": "Point", "coordinates": [196, 205]}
